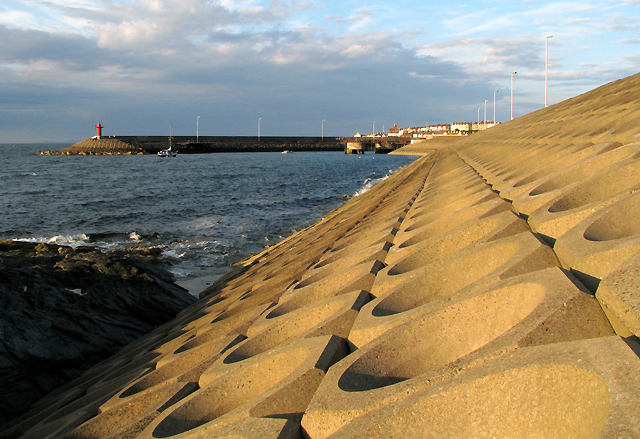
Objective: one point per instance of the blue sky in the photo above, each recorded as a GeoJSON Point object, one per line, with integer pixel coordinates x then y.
{"type": "Point", "coordinates": [137, 66]}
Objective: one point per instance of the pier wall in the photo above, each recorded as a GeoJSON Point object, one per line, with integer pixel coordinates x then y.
{"type": "Point", "coordinates": [489, 289]}
{"type": "Point", "coordinates": [201, 145]}
{"type": "Point", "coordinates": [206, 144]}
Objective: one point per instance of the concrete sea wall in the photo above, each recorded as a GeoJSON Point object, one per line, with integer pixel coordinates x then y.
{"type": "Point", "coordinates": [128, 145]}
{"type": "Point", "coordinates": [489, 289]}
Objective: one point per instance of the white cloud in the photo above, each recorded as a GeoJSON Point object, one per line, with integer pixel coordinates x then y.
{"type": "Point", "coordinates": [14, 18]}
{"type": "Point", "coordinates": [574, 21]}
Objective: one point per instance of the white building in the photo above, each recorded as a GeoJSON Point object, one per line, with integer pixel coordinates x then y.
{"type": "Point", "coordinates": [460, 126]}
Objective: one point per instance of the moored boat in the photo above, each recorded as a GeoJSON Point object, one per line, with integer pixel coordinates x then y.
{"type": "Point", "coordinates": [168, 152]}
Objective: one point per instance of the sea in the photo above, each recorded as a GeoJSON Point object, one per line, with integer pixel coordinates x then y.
{"type": "Point", "coordinates": [204, 211]}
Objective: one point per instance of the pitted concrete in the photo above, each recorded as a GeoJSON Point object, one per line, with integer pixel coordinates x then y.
{"type": "Point", "coordinates": [486, 290]}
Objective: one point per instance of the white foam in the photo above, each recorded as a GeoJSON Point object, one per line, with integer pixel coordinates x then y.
{"type": "Point", "coordinates": [77, 291]}
{"type": "Point", "coordinates": [368, 184]}
{"type": "Point", "coordinates": [68, 240]}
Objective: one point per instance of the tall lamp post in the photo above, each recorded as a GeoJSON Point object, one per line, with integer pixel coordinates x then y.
{"type": "Point", "coordinates": [198, 129]}
{"type": "Point", "coordinates": [485, 113]}
{"type": "Point", "coordinates": [259, 129]}
{"type": "Point", "coordinates": [494, 106]}
{"type": "Point", "coordinates": [512, 73]}
{"type": "Point", "coordinates": [546, 71]}
{"type": "Point", "coordinates": [323, 129]}
{"type": "Point", "coordinates": [374, 129]}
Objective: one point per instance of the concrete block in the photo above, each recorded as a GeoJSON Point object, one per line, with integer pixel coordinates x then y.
{"type": "Point", "coordinates": [277, 384]}
{"type": "Point", "coordinates": [532, 309]}
{"type": "Point", "coordinates": [410, 283]}
{"type": "Point", "coordinates": [560, 214]}
{"type": "Point", "coordinates": [554, 186]}
{"type": "Point", "coordinates": [619, 294]}
{"type": "Point", "coordinates": [584, 389]}
{"type": "Point", "coordinates": [429, 249]}
{"type": "Point", "coordinates": [601, 242]}
{"type": "Point", "coordinates": [561, 160]}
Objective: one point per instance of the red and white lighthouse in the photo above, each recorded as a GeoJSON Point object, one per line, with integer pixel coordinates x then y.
{"type": "Point", "coordinates": [99, 130]}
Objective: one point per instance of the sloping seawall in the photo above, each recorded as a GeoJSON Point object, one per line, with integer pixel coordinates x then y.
{"type": "Point", "coordinates": [489, 289]}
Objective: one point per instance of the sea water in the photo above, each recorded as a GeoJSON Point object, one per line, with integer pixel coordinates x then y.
{"type": "Point", "coordinates": [205, 211]}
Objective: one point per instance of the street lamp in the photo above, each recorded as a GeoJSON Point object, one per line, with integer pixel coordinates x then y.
{"type": "Point", "coordinates": [197, 129]}
{"type": "Point", "coordinates": [374, 129]}
{"type": "Point", "coordinates": [494, 106]}
{"type": "Point", "coordinates": [546, 71]}
{"type": "Point", "coordinates": [512, 73]}
{"type": "Point", "coordinates": [323, 129]}
{"type": "Point", "coordinates": [259, 129]}
{"type": "Point", "coordinates": [485, 113]}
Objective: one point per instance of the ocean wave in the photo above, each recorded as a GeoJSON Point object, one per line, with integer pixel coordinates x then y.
{"type": "Point", "coordinates": [374, 180]}
{"type": "Point", "coordinates": [180, 272]}
{"type": "Point", "coordinates": [368, 184]}
{"type": "Point", "coordinates": [68, 240]}
{"type": "Point", "coordinates": [105, 241]}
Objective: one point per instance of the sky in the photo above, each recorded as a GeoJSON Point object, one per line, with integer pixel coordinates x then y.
{"type": "Point", "coordinates": [140, 67]}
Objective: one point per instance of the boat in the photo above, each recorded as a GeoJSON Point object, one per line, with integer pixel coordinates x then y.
{"type": "Point", "coordinates": [168, 152]}
{"type": "Point", "coordinates": [286, 151]}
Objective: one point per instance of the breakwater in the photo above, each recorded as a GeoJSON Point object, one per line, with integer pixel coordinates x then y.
{"type": "Point", "coordinates": [218, 144]}
{"type": "Point", "coordinates": [487, 289]}
{"type": "Point", "coordinates": [199, 145]}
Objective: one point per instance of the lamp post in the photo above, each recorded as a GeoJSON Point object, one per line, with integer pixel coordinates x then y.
{"type": "Point", "coordinates": [373, 134]}
{"type": "Point", "coordinates": [512, 73]}
{"type": "Point", "coordinates": [494, 106]}
{"type": "Point", "coordinates": [546, 71]}
{"type": "Point", "coordinates": [259, 129]}
{"type": "Point", "coordinates": [197, 129]}
{"type": "Point", "coordinates": [323, 129]}
{"type": "Point", "coordinates": [485, 113]}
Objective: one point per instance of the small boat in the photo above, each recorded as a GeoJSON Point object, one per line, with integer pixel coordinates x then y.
{"type": "Point", "coordinates": [286, 151]}
{"type": "Point", "coordinates": [168, 152]}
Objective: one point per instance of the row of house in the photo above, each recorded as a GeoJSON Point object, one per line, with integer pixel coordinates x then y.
{"type": "Point", "coordinates": [455, 128]}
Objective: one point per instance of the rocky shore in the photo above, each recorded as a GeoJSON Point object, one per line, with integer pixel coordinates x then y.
{"type": "Point", "coordinates": [63, 310]}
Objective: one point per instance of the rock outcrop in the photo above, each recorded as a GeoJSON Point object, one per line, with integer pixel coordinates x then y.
{"type": "Point", "coordinates": [63, 310]}
{"type": "Point", "coordinates": [102, 146]}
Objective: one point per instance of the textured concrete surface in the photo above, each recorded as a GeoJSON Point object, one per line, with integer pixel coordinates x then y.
{"type": "Point", "coordinates": [489, 289]}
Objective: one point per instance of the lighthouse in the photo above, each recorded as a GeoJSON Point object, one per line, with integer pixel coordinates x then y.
{"type": "Point", "coordinates": [98, 131]}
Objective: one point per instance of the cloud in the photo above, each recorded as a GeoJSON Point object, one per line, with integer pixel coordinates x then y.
{"type": "Point", "coordinates": [143, 64]}
{"type": "Point", "coordinates": [482, 57]}
{"type": "Point", "coordinates": [136, 64]}
{"type": "Point", "coordinates": [622, 22]}
{"type": "Point", "coordinates": [574, 21]}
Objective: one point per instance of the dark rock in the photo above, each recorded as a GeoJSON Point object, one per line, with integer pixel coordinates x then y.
{"type": "Point", "coordinates": [62, 310]}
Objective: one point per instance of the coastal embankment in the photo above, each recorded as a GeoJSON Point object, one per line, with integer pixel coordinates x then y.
{"type": "Point", "coordinates": [488, 289]}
